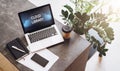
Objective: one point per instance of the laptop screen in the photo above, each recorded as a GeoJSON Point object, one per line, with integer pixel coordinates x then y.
{"type": "Point", "coordinates": [36, 19]}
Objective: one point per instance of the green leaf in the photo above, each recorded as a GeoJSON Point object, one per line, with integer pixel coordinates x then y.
{"type": "Point", "coordinates": [110, 33]}
{"type": "Point", "coordinates": [104, 24]}
{"type": "Point", "coordinates": [108, 40]}
{"type": "Point", "coordinates": [78, 14]}
{"type": "Point", "coordinates": [100, 32]}
{"type": "Point", "coordinates": [69, 8]}
{"type": "Point", "coordinates": [64, 13]}
{"type": "Point", "coordinates": [103, 46]}
{"type": "Point", "coordinates": [105, 50]}
{"type": "Point", "coordinates": [89, 8]}
{"type": "Point", "coordinates": [71, 16]}
{"type": "Point", "coordinates": [104, 54]}
{"type": "Point", "coordinates": [83, 17]}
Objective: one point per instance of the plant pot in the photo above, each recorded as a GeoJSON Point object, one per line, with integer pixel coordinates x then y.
{"type": "Point", "coordinates": [66, 31]}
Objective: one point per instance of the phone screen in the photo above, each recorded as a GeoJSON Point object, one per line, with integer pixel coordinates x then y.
{"type": "Point", "coordinates": [40, 60]}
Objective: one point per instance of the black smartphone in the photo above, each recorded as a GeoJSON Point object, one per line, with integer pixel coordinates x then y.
{"type": "Point", "coordinates": [40, 60]}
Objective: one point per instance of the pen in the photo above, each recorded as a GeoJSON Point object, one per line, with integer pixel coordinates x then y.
{"type": "Point", "coordinates": [18, 49]}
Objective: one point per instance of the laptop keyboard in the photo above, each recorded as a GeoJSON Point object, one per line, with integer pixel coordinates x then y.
{"type": "Point", "coordinates": [42, 34]}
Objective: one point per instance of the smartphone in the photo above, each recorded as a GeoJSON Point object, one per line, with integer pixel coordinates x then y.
{"type": "Point", "coordinates": [40, 60]}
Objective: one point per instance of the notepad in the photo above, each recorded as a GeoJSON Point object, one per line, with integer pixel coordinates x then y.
{"type": "Point", "coordinates": [48, 55]}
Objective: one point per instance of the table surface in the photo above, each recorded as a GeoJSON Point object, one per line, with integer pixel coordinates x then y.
{"type": "Point", "coordinates": [67, 51]}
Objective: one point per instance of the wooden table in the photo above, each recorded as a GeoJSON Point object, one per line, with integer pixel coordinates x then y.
{"type": "Point", "coordinates": [73, 54]}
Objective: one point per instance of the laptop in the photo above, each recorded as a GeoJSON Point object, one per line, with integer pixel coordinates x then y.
{"type": "Point", "coordinates": [39, 28]}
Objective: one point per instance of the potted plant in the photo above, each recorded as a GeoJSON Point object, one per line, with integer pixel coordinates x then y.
{"type": "Point", "coordinates": [83, 19]}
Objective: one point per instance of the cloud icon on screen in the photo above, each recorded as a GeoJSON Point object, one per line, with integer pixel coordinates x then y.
{"type": "Point", "coordinates": [27, 23]}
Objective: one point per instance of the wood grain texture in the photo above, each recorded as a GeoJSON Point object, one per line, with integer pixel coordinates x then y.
{"type": "Point", "coordinates": [79, 63]}
{"type": "Point", "coordinates": [5, 64]}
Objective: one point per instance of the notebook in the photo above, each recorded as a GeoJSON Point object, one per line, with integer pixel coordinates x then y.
{"type": "Point", "coordinates": [17, 48]}
{"type": "Point", "coordinates": [39, 28]}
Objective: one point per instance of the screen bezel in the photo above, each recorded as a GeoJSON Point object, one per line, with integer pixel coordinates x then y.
{"type": "Point", "coordinates": [34, 9]}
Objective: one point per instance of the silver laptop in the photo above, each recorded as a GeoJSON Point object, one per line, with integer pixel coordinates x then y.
{"type": "Point", "coordinates": [39, 28]}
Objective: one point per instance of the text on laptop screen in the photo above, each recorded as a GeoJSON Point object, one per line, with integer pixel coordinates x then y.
{"type": "Point", "coordinates": [36, 19]}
